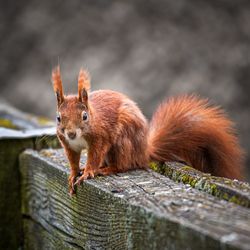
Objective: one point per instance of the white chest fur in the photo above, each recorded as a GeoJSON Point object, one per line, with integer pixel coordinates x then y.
{"type": "Point", "coordinates": [78, 144]}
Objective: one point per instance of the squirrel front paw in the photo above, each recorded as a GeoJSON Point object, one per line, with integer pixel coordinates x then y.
{"type": "Point", "coordinates": [71, 181]}
{"type": "Point", "coordinates": [88, 173]}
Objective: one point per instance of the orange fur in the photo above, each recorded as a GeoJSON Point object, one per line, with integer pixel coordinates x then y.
{"type": "Point", "coordinates": [188, 129]}
{"type": "Point", "coordinates": [57, 84]}
{"type": "Point", "coordinates": [83, 85]}
{"type": "Point", "coordinates": [118, 137]}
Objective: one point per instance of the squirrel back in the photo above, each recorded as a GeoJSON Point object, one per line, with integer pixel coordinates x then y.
{"type": "Point", "coordinates": [188, 129]}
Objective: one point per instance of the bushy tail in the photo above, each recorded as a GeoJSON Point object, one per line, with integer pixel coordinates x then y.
{"type": "Point", "coordinates": [190, 130]}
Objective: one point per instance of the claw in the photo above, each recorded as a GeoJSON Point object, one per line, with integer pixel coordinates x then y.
{"type": "Point", "coordinates": [87, 174]}
{"type": "Point", "coordinates": [72, 192]}
{"type": "Point", "coordinates": [72, 179]}
{"type": "Point", "coordinates": [73, 187]}
{"type": "Point", "coordinates": [77, 182]}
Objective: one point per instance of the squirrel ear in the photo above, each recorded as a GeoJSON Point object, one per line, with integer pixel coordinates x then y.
{"type": "Point", "coordinates": [83, 86]}
{"type": "Point", "coordinates": [57, 85]}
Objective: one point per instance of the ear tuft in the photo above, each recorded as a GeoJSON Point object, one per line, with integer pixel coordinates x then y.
{"type": "Point", "coordinates": [57, 85]}
{"type": "Point", "coordinates": [83, 85]}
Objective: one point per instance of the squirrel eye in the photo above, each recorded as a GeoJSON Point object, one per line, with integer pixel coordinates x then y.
{"type": "Point", "coordinates": [84, 116]}
{"type": "Point", "coordinates": [58, 118]}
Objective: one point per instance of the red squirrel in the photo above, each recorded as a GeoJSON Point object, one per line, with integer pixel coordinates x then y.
{"type": "Point", "coordinates": [119, 138]}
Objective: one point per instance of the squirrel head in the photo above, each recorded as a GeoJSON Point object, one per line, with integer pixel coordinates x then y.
{"type": "Point", "coordinates": [73, 111]}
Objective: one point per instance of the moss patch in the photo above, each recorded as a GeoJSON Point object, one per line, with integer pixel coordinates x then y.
{"type": "Point", "coordinates": [5, 123]}
{"type": "Point", "coordinates": [157, 167]}
{"type": "Point", "coordinates": [223, 188]}
{"type": "Point", "coordinates": [43, 121]}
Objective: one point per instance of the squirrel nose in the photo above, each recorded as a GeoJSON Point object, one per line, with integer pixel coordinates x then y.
{"type": "Point", "coordinates": [72, 135]}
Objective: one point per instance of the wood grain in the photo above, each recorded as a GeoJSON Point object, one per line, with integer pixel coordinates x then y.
{"type": "Point", "coordinates": [134, 210]}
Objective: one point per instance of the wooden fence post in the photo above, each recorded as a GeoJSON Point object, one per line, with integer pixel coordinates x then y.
{"type": "Point", "coordinates": [18, 131]}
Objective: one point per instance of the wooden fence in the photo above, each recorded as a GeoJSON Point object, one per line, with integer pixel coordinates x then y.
{"type": "Point", "coordinates": [176, 208]}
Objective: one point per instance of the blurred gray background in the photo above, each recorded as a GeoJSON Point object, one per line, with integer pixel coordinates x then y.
{"type": "Point", "coordinates": [146, 49]}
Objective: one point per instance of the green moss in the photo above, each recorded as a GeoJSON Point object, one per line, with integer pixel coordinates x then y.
{"type": "Point", "coordinates": [225, 196]}
{"type": "Point", "coordinates": [157, 167]}
{"type": "Point", "coordinates": [43, 120]}
{"type": "Point", "coordinates": [191, 181]}
{"type": "Point", "coordinates": [185, 178]}
{"type": "Point", "coordinates": [187, 168]}
{"type": "Point", "coordinates": [153, 166]}
{"type": "Point", "coordinates": [236, 200]}
{"type": "Point", "coordinates": [204, 182]}
{"type": "Point", "coordinates": [213, 189]}
{"type": "Point", "coordinates": [5, 123]}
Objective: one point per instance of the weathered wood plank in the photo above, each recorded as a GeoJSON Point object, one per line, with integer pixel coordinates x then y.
{"type": "Point", "coordinates": [231, 190]}
{"type": "Point", "coordinates": [135, 210]}
{"type": "Point", "coordinates": [10, 201]}
{"type": "Point", "coordinates": [18, 131]}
